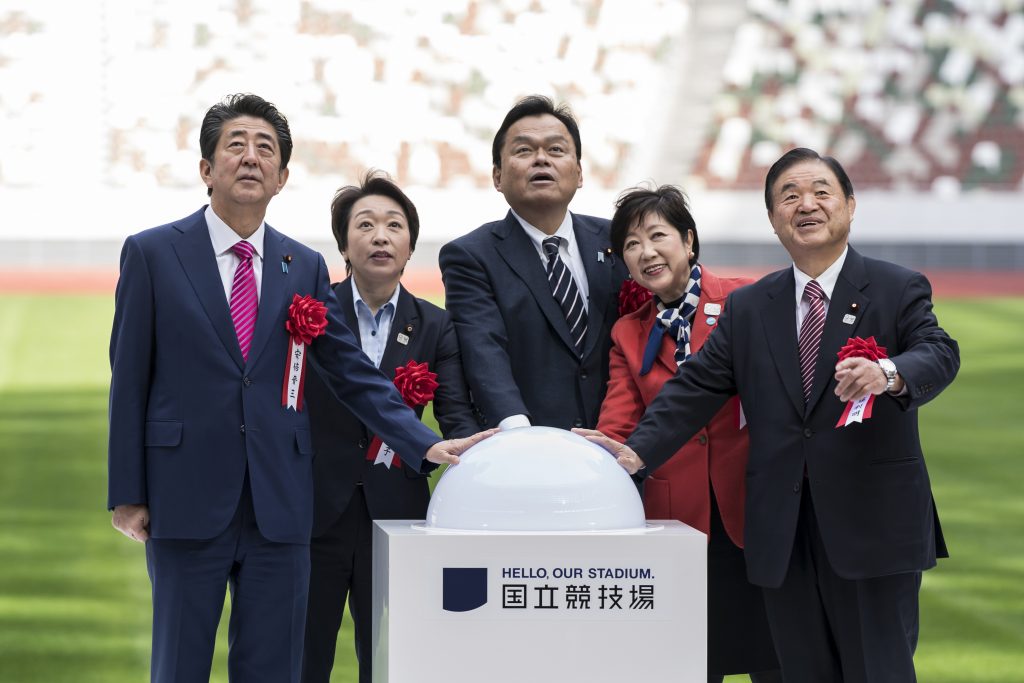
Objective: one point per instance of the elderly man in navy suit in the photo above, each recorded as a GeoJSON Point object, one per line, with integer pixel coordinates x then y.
{"type": "Point", "coordinates": [534, 295]}
{"type": "Point", "coordinates": [831, 359]}
{"type": "Point", "coordinates": [210, 456]}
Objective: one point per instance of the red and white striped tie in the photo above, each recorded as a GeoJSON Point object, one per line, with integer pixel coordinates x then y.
{"type": "Point", "coordinates": [244, 304]}
{"type": "Point", "coordinates": [810, 334]}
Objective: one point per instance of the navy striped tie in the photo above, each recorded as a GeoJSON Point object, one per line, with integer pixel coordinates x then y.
{"type": "Point", "coordinates": [810, 334]}
{"type": "Point", "coordinates": [564, 289]}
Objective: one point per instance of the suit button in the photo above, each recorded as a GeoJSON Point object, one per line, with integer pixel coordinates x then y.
{"type": "Point", "coordinates": [583, 374]}
{"type": "Point", "coordinates": [246, 381]}
{"type": "Point", "coordinates": [702, 439]}
{"type": "Point", "coordinates": [808, 433]}
{"type": "Point", "coordinates": [241, 429]}
{"type": "Point", "coordinates": [577, 422]}
{"type": "Point", "coordinates": [796, 487]}
{"type": "Point", "coordinates": [362, 443]}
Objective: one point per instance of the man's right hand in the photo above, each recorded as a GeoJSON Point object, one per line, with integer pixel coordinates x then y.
{"type": "Point", "coordinates": [624, 455]}
{"type": "Point", "coordinates": [132, 521]}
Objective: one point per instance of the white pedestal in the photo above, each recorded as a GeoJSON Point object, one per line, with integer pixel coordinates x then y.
{"type": "Point", "coordinates": [560, 607]}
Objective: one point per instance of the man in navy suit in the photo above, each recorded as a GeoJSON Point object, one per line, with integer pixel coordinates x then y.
{"type": "Point", "coordinates": [355, 479]}
{"type": "Point", "coordinates": [840, 520]}
{"type": "Point", "coordinates": [530, 355]}
{"type": "Point", "coordinates": [208, 465]}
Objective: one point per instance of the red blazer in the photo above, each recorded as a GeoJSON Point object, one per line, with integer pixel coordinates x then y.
{"type": "Point", "coordinates": [679, 488]}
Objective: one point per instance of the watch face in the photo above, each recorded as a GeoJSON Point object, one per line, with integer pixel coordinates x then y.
{"type": "Point", "coordinates": [889, 370]}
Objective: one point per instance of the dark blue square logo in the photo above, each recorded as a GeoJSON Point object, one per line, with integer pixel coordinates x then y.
{"type": "Point", "coordinates": [465, 588]}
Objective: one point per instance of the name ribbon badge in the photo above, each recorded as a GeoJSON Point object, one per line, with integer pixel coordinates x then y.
{"type": "Point", "coordinates": [307, 320]}
{"type": "Point", "coordinates": [417, 384]}
{"type": "Point", "coordinates": [859, 410]}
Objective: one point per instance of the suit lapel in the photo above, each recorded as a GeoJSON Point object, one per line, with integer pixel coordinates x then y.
{"type": "Point", "coordinates": [406, 322]}
{"type": "Point", "coordinates": [515, 247]}
{"type": "Point", "coordinates": [589, 242]}
{"type": "Point", "coordinates": [273, 295]}
{"type": "Point", "coordinates": [710, 293]}
{"type": "Point", "coordinates": [195, 253]}
{"type": "Point", "coordinates": [343, 291]}
{"type": "Point", "coordinates": [848, 291]}
{"type": "Point", "coordinates": [778, 316]}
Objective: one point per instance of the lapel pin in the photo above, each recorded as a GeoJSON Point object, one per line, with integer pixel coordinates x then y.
{"type": "Point", "coordinates": [710, 320]}
{"type": "Point", "coordinates": [853, 306]}
{"type": "Point", "coordinates": [600, 257]}
{"type": "Point", "coordinates": [713, 309]}
{"type": "Point", "coordinates": [402, 338]}
{"type": "Point", "coordinates": [285, 260]}
{"type": "Point", "coordinates": [849, 318]}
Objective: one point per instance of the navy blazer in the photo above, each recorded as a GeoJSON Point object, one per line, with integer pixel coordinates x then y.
{"type": "Point", "coordinates": [516, 350]}
{"type": "Point", "coordinates": [189, 419]}
{"type": "Point", "coordinates": [870, 485]}
{"type": "Point", "coordinates": [340, 440]}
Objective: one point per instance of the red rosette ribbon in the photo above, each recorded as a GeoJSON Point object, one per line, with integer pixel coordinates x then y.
{"type": "Point", "coordinates": [307, 320]}
{"type": "Point", "coordinates": [632, 296]}
{"type": "Point", "coordinates": [856, 347]}
{"type": "Point", "coordinates": [417, 384]}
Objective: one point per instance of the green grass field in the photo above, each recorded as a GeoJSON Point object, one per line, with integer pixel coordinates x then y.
{"type": "Point", "coordinates": [74, 595]}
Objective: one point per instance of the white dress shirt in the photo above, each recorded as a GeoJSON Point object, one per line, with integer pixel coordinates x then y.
{"type": "Point", "coordinates": [827, 280]}
{"type": "Point", "coordinates": [223, 238]}
{"type": "Point", "coordinates": [567, 249]}
{"type": "Point", "coordinates": [374, 329]}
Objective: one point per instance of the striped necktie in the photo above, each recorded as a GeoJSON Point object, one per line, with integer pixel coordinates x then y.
{"type": "Point", "coordinates": [810, 334]}
{"type": "Point", "coordinates": [243, 303]}
{"type": "Point", "coordinates": [564, 289]}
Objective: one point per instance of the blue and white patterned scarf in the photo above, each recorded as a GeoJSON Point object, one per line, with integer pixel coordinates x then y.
{"type": "Point", "coordinates": [676, 321]}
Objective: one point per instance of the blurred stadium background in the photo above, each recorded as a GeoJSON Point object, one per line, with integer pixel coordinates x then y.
{"type": "Point", "coordinates": [100, 103]}
{"type": "Point", "coordinates": [921, 100]}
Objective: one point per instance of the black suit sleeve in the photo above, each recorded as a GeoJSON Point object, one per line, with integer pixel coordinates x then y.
{"type": "Point", "coordinates": [689, 400]}
{"type": "Point", "coordinates": [483, 339]}
{"type": "Point", "coordinates": [452, 406]}
{"type": "Point", "coordinates": [928, 358]}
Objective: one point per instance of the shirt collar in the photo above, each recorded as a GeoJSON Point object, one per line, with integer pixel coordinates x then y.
{"type": "Point", "coordinates": [357, 298]}
{"type": "Point", "coordinates": [827, 279]}
{"type": "Point", "coordinates": [223, 237]}
{"type": "Point", "coordinates": [537, 236]}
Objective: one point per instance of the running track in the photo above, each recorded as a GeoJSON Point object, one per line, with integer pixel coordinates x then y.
{"type": "Point", "coordinates": [426, 282]}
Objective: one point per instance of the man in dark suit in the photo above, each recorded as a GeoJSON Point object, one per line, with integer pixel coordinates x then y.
{"type": "Point", "coordinates": [210, 458]}
{"type": "Point", "coordinates": [840, 520]}
{"type": "Point", "coordinates": [534, 296]}
{"type": "Point", "coordinates": [376, 226]}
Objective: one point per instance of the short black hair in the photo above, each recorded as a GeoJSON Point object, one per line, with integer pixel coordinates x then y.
{"type": "Point", "coordinates": [796, 156]}
{"type": "Point", "coordinates": [636, 203]}
{"type": "Point", "coordinates": [536, 105]}
{"type": "Point", "coordinates": [373, 183]}
{"type": "Point", "coordinates": [233, 107]}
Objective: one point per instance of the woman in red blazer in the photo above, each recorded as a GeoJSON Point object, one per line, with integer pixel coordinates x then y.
{"type": "Point", "coordinates": [703, 484]}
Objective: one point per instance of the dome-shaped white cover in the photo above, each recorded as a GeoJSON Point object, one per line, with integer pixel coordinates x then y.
{"type": "Point", "coordinates": [536, 479]}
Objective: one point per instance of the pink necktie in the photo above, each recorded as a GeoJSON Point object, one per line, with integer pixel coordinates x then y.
{"type": "Point", "coordinates": [243, 297]}
{"type": "Point", "coordinates": [810, 334]}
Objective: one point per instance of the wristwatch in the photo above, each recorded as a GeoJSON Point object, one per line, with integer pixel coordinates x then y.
{"type": "Point", "coordinates": [889, 368]}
